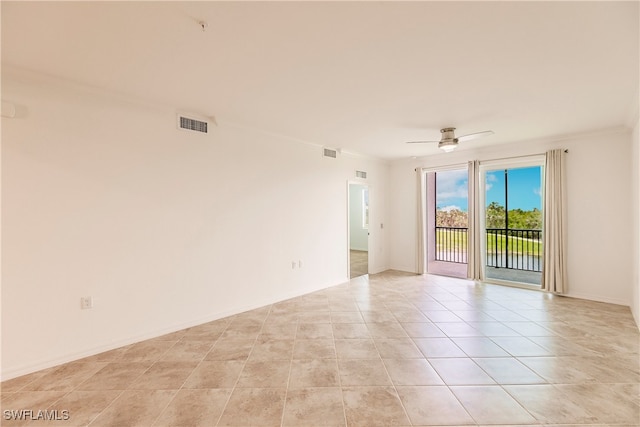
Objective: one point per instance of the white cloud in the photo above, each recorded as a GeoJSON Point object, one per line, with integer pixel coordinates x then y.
{"type": "Point", "coordinates": [452, 184]}
{"type": "Point", "coordinates": [489, 180]}
{"type": "Point", "coordinates": [450, 208]}
{"type": "Point", "coordinates": [537, 191]}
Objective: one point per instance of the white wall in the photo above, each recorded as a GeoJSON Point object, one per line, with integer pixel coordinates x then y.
{"type": "Point", "coordinates": [599, 214]}
{"type": "Point", "coordinates": [358, 235]}
{"type": "Point", "coordinates": [104, 197]}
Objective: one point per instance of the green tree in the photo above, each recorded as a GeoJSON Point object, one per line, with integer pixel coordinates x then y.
{"type": "Point", "coordinates": [451, 218]}
{"type": "Point", "coordinates": [495, 215]}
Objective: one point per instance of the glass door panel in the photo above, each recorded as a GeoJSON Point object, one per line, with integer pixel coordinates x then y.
{"type": "Point", "coordinates": [513, 224]}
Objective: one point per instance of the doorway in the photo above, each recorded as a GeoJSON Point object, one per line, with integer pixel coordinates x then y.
{"type": "Point", "coordinates": [358, 230]}
{"type": "Point", "coordinates": [512, 246]}
{"type": "Point", "coordinates": [447, 221]}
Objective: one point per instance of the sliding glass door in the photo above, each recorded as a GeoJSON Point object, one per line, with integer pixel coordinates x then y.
{"type": "Point", "coordinates": [511, 238]}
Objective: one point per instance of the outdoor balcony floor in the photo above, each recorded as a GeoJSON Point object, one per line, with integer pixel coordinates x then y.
{"type": "Point", "coordinates": [453, 269]}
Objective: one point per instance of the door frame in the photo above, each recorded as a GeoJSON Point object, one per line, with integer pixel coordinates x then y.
{"type": "Point", "coordinates": [368, 187]}
{"type": "Point", "coordinates": [508, 163]}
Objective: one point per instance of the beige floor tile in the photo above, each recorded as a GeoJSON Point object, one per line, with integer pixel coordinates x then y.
{"type": "Point", "coordinates": [65, 377]}
{"type": "Point", "coordinates": [494, 329]}
{"type": "Point", "coordinates": [314, 349]}
{"type": "Point", "coordinates": [609, 404]}
{"type": "Point", "coordinates": [254, 407]}
{"type": "Point", "coordinates": [412, 372]}
{"type": "Point", "coordinates": [272, 349]}
{"type": "Point", "coordinates": [114, 355]}
{"type": "Point", "coordinates": [460, 371]}
{"type": "Point", "coordinates": [134, 408]}
{"type": "Point", "coordinates": [16, 384]}
{"type": "Point", "coordinates": [508, 370]}
{"type": "Point", "coordinates": [32, 400]}
{"type": "Point", "coordinates": [164, 376]}
{"type": "Point", "coordinates": [187, 351]}
{"type": "Point", "coordinates": [422, 330]}
{"type": "Point", "coordinates": [373, 406]}
{"type": "Point", "coordinates": [346, 317]}
{"type": "Point", "coordinates": [433, 406]}
{"type": "Point", "coordinates": [282, 331]}
{"type": "Point", "coordinates": [492, 405]}
{"type": "Point", "coordinates": [242, 331]}
{"type": "Point", "coordinates": [409, 315]}
{"type": "Point", "coordinates": [521, 346]}
{"type": "Point", "coordinates": [458, 329]}
{"type": "Point", "coordinates": [363, 372]}
{"type": "Point", "coordinates": [194, 408]}
{"type": "Point", "coordinates": [549, 405]}
{"type": "Point", "coordinates": [147, 351]}
{"type": "Point", "coordinates": [356, 349]}
{"type": "Point", "coordinates": [265, 374]}
{"type": "Point", "coordinates": [82, 406]}
{"type": "Point", "coordinates": [313, 373]}
{"type": "Point", "coordinates": [567, 362]}
{"type": "Point", "coordinates": [559, 370]}
{"type": "Point", "coordinates": [231, 349]}
{"type": "Point", "coordinates": [314, 331]}
{"type": "Point", "coordinates": [438, 347]}
{"type": "Point", "coordinates": [530, 329]}
{"type": "Point", "coordinates": [441, 316]}
{"type": "Point", "coordinates": [397, 348]}
{"type": "Point", "coordinates": [350, 331]}
{"type": "Point", "coordinates": [378, 316]}
{"type": "Point", "coordinates": [386, 330]}
{"type": "Point", "coordinates": [115, 376]}
{"type": "Point", "coordinates": [206, 332]}
{"type": "Point", "coordinates": [215, 374]}
{"type": "Point", "coordinates": [479, 347]}
{"type": "Point", "coordinates": [314, 317]}
{"type": "Point", "coordinates": [314, 407]}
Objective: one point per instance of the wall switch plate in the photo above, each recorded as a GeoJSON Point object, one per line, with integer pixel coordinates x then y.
{"type": "Point", "coordinates": [86, 303]}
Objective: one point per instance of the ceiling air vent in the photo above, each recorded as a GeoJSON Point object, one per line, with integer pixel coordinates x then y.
{"type": "Point", "coordinates": [361, 174]}
{"type": "Point", "coordinates": [190, 122]}
{"type": "Point", "coordinates": [329, 152]}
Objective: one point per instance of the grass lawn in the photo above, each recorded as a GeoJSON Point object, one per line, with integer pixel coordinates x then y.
{"type": "Point", "coordinates": [457, 242]}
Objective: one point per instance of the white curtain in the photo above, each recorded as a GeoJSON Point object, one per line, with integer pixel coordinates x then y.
{"type": "Point", "coordinates": [554, 267]}
{"type": "Point", "coordinates": [474, 262]}
{"type": "Point", "coordinates": [421, 267]}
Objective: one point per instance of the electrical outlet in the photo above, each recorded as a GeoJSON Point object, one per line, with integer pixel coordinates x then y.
{"type": "Point", "coordinates": [86, 303]}
{"type": "Point", "coordinates": [293, 265]}
{"type": "Point", "coordinates": [299, 264]}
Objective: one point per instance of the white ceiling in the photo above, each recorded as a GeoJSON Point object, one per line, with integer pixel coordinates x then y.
{"type": "Point", "coordinates": [361, 76]}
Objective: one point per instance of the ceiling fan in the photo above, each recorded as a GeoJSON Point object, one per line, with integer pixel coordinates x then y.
{"type": "Point", "coordinates": [449, 142]}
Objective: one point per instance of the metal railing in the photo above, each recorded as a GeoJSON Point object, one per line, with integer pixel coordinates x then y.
{"type": "Point", "coordinates": [514, 249]}
{"type": "Point", "coordinates": [451, 244]}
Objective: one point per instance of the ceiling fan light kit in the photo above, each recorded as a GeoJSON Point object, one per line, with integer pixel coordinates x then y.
{"type": "Point", "coordinates": [449, 142]}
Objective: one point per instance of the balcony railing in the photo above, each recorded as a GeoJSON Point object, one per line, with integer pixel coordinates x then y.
{"type": "Point", "coordinates": [514, 249]}
{"type": "Point", "coordinates": [451, 244]}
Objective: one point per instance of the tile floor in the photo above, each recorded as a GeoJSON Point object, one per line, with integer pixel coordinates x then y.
{"type": "Point", "coordinates": [391, 349]}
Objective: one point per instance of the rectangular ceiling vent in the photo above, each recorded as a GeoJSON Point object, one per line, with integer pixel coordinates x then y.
{"type": "Point", "coordinates": [189, 122]}
{"type": "Point", "coordinates": [329, 152]}
{"type": "Point", "coordinates": [361, 174]}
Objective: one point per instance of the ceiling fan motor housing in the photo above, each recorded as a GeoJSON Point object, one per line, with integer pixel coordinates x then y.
{"type": "Point", "coordinates": [448, 142]}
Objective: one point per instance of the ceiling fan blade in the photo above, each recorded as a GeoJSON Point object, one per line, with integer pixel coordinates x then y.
{"type": "Point", "coordinates": [422, 142]}
{"type": "Point", "coordinates": [475, 135]}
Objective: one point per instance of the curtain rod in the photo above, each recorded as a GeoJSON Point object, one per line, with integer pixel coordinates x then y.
{"type": "Point", "coordinates": [566, 150]}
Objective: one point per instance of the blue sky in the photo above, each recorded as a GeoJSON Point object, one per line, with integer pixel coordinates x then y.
{"type": "Point", "coordinates": [451, 189]}
{"type": "Point", "coordinates": [524, 188]}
